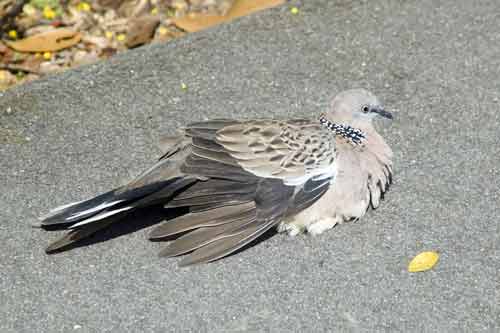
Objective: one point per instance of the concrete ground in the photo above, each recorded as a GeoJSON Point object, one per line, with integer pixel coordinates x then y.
{"type": "Point", "coordinates": [436, 64]}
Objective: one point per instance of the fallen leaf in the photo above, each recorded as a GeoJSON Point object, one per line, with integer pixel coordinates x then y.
{"type": "Point", "coordinates": [423, 261]}
{"type": "Point", "coordinates": [46, 42]}
{"type": "Point", "coordinates": [240, 8]}
{"type": "Point", "coordinates": [141, 30]}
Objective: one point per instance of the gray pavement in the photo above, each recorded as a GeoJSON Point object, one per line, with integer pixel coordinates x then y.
{"type": "Point", "coordinates": [74, 135]}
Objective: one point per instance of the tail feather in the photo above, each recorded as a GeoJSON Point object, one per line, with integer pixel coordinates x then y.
{"type": "Point", "coordinates": [80, 233]}
{"type": "Point", "coordinates": [101, 216]}
{"type": "Point", "coordinates": [105, 205]}
{"type": "Point", "coordinates": [62, 214]}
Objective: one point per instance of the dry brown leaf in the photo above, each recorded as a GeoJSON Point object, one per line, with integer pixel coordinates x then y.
{"type": "Point", "coordinates": [240, 8]}
{"type": "Point", "coordinates": [46, 42]}
{"type": "Point", "coordinates": [141, 30]}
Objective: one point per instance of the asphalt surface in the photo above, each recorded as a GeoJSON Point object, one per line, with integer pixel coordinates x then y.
{"type": "Point", "coordinates": [74, 135]}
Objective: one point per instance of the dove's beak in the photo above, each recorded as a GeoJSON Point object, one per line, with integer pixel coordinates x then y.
{"type": "Point", "coordinates": [381, 112]}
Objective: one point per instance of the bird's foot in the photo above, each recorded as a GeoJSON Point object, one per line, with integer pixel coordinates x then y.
{"type": "Point", "coordinates": [290, 228]}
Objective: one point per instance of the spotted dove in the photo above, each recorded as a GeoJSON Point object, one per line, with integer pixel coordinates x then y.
{"type": "Point", "coordinates": [238, 179]}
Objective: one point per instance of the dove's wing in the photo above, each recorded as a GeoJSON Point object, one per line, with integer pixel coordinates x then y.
{"type": "Point", "coordinates": [238, 179]}
{"type": "Point", "coordinates": [256, 172]}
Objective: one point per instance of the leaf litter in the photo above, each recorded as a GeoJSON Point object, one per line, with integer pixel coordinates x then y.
{"type": "Point", "coordinates": [39, 37]}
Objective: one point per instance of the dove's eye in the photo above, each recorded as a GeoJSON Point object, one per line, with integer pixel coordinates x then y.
{"type": "Point", "coordinates": [365, 109]}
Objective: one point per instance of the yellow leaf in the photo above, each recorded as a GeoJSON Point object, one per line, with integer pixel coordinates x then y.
{"type": "Point", "coordinates": [46, 41]}
{"type": "Point", "coordinates": [423, 261]}
{"type": "Point", "coordinates": [121, 37]}
{"type": "Point", "coordinates": [239, 8]}
{"type": "Point", "coordinates": [183, 86]}
{"type": "Point", "coordinates": [294, 10]}
{"type": "Point", "coordinates": [47, 55]}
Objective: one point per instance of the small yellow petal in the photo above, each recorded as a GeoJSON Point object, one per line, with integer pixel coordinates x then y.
{"type": "Point", "coordinates": [47, 55]}
{"type": "Point", "coordinates": [423, 261]}
{"type": "Point", "coordinates": [121, 37]}
{"type": "Point", "coordinates": [162, 31]}
{"type": "Point", "coordinates": [83, 6]}
{"type": "Point", "coordinates": [154, 11]}
{"type": "Point", "coordinates": [38, 55]}
{"type": "Point", "coordinates": [184, 86]}
{"type": "Point", "coordinates": [294, 10]}
{"type": "Point", "coordinates": [108, 34]}
{"type": "Point", "coordinates": [13, 34]}
{"type": "Point", "coordinates": [48, 13]}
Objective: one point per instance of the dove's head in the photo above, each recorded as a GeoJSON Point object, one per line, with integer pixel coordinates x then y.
{"type": "Point", "coordinates": [356, 107]}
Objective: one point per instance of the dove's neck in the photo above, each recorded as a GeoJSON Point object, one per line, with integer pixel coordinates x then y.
{"type": "Point", "coordinates": [353, 135]}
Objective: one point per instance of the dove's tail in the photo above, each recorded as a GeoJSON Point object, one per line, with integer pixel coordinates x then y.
{"type": "Point", "coordinates": [155, 186]}
{"type": "Point", "coordinates": [117, 201]}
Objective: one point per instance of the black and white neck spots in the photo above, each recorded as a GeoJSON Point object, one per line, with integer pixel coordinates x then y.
{"type": "Point", "coordinates": [353, 135]}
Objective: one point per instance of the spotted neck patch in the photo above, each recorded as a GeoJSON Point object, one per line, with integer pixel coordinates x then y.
{"type": "Point", "coordinates": [353, 135]}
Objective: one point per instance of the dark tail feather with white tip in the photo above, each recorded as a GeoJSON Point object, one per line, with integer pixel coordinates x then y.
{"type": "Point", "coordinates": [87, 217]}
{"type": "Point", "coordinates": [156, 185]}
{"type": "Point", "coordinates": [100, 207]}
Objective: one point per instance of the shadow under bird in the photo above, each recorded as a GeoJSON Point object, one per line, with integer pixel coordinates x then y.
{"type": "Point", "coordinates": [238, 179]}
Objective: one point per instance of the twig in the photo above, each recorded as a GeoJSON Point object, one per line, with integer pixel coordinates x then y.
{"type": "Point", "coordinates": [16, 8]}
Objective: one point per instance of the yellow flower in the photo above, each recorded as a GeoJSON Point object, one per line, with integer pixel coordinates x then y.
{"type": "Point", "coordinates": [13, 34]}
{"type": "Point", "coordinates": [108, 34]}
{"type": "Point", "coordinates": [49, 13]}
{"type": "Point", "coordinates": [47, 55]}
{"type": "Point", "coordinates": [184, 86]}
{"type": "Point", "coordinates": [83, 6]}
{"type": "Point", "coordinates": [162, 31]}
{"type": "Point", "coordinates": [121, 37]}
{"type": "Point", "coordinates": [294, 10]}
{"type": "Point", "coordinates": [154, 11]}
